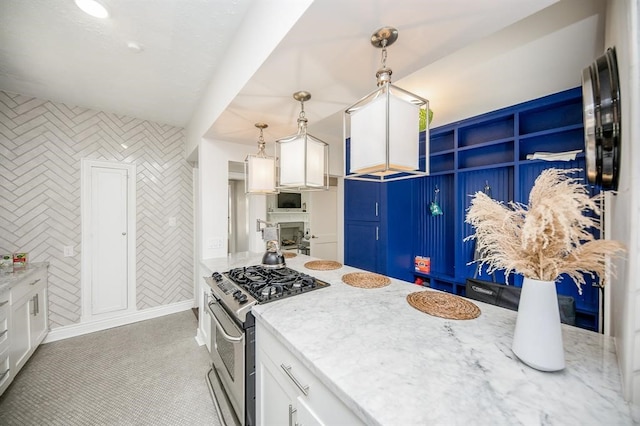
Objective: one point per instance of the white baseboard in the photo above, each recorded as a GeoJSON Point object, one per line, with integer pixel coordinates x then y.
{"type": "Point", "coordinates": [200, 337]}
{"type": "Point", "coordinates": [79, 329]}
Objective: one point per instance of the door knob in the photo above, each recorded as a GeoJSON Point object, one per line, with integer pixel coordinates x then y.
{"type": "Point", "coordinates": [124, 233]}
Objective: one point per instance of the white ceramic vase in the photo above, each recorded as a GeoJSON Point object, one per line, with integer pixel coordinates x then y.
{"type": "Point", "coordinates": [537, 339]}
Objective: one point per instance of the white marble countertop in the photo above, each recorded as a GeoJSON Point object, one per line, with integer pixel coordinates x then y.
{"type": "Point", "coordinates": [9, 279]}
{"type": "Point", "coordinates": [394, 365]}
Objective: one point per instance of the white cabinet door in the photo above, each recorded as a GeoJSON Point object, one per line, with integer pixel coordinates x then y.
{"type": "Point", "coordinates": [38, 321]}
{"type": "Point", "coordinates": [108, 239]}
{"type": "Point", "coordinates": [288, 393]}
{"type": "Point", "coordinates": [29, 318]}
{"type": "Point", "coordinates": [305, 415]}
{"type": "Point", "coordinates": [20, 333]}
{"type": "Point", "coordinates": [109, 214]}
{"type": "Point", "coordinates": [275, 404]}
{"type": "Point", "coordinates": [5, 370]}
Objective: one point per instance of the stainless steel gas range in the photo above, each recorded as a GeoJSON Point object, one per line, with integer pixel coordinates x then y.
{"type": "Point", "coordinates": [232, 376]}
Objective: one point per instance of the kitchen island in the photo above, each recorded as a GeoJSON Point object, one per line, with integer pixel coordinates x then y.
{"type": "Point", "coordinates": [391, 364]}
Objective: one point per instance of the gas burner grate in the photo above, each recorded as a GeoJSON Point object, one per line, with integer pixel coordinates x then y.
{"type": "Point", "coordinates": [267, 284]}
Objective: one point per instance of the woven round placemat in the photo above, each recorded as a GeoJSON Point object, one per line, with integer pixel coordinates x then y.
{"type": "Point", "coordinates": [365, 280]}
{"type": "Point", "coordinates": [323, 265]}
{"type": "Point", "coordinates": [288, 254]}
{"type": "Point", "coordinates": [443, 305]}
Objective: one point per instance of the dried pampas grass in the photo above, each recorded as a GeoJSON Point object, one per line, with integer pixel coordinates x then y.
{"type": "Point", "coordinates": [549, 237]}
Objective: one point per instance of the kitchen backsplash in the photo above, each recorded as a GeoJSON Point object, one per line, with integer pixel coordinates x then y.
{"type": "Point", "coordinates": [41, 145]}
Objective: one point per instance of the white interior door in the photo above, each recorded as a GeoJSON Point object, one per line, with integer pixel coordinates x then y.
{"type": "Point", "coordinates": [323, 224]}
{"type": "Point", "coordinates": [109, 252]}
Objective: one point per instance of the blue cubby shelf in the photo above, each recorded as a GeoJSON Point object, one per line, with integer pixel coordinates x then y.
{"type": "Point", "coordinates": [442, 282]}
{"type": "Point", "coordinates": [394, 222]}
{"type": "Point", "coordinates": [491, 149]}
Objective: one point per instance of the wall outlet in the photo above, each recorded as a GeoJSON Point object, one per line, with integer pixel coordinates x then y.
{"type": "Point", "coordinates": [68, 251]}
{"type": "Point", "coordinates": [214, 243]}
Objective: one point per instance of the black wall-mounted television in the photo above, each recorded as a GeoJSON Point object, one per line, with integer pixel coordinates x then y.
{"type": "Point", "coordinates": [289, 200]}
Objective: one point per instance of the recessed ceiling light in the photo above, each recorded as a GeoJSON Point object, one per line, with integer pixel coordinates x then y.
{"type": "Point", "coordinates": [93, 8]}
{"type": "Point", "coordinates": [135, 47]}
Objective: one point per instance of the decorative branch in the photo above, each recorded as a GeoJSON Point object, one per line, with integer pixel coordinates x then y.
{"type": "Point", "coordinates": [546, 238]}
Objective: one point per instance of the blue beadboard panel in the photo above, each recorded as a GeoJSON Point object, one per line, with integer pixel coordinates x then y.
{"type": "Point", "coordinates": [529, 171]}
{"type": "Point", "coordinates": [500, 180]}
{"type": "Point", "coordinates": [435, 231]}
{"type": "Point", "coordinates": [486, 131]}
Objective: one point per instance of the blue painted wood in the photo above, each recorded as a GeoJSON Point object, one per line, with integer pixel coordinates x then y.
{"type": "Point", "coordinates": [362, 200]}
{"type": "Point", "coordinates": [434, 232]}
{"type": "Point", "coordinates": [361, 245]}
{"type": "Point", "coordinates": [398, 232]}
{"type": "Point", "coordinates": [464, 156]}
{"type": "Point", "coordinates": [500, 182]}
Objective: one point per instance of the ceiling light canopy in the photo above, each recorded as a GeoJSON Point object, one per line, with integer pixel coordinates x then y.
{"type": "Point", "coordinates": [260, 169]}
{"type": "Point", "coordinates": [382, 129]}
{"type": "Point", "coordinates": [93, 8]}
{"type": "Point", "coordinates": [303, 159]}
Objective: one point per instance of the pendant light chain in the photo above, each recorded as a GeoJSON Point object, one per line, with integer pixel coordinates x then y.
{"type": "Point", "coordinates": [384, 54]}
{"type": "Point", "coordinates": [261, 145]}
{"type": "Point", "coordinates": [302, 119]}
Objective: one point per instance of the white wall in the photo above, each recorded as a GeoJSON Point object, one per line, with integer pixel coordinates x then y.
{"type": "Point", "coordinates": [213, 166]}
{"type": "Point", "coordinates": [622, 32]}
{"type": "Point", "coordinates": [266, 23]}
{"type": "Point", "coordinates": [42, 144]}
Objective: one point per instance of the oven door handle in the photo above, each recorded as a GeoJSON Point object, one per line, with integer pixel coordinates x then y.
{"type": "Point", "coordinates": [221, 328]}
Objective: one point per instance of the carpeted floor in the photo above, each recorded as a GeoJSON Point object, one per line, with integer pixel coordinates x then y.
{"type": "Point", "coordinates": [148, 373]}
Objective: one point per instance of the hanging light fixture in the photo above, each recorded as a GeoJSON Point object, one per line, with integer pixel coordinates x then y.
{"type": "Point", "coordinates": [260, 169]}
{"type": "Point", "coordinates": [383, 128]}
{"type": "Point", "coordinates": [303, 159]}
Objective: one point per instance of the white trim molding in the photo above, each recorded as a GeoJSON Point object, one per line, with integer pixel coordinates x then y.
{"type": "Point", "coordinates": [85, 208]}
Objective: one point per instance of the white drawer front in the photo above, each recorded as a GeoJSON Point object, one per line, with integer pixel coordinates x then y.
{"type": "Point", "coordinates": [28, 285]}
{"type": "Point", "coordinates": [5, 373]}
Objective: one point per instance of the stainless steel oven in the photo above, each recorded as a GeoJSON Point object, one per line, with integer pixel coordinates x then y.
{"type": "Point", "coordinates": [227, 358]}
{"type": "Point", "coordinates": [232, 337]}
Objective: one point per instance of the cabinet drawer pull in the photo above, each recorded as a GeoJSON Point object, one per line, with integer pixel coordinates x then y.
{"type": "Point", "coordinates": [4, 303]}
{"type": "Point", "coordinates": [4, 374]}
{"type": "Point", "coordinates": [35, 282]}
{"type": "Point", "coordinates": [287, 369]}
{"type": "Point", "coordinates": [376, 209]}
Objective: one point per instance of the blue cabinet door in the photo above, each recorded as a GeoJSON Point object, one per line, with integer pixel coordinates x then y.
{"type": "Point", "coordinates": [362, 245]}
{"type": "Point", "coordinates": [362, 200]}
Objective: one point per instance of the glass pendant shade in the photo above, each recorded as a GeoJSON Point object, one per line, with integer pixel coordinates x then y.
{"type": "Point", "coordinates": [260, 169]}
{"type": "Point", "coordinates": [260, 175]}
{"type": "Point", "coordinates": [302, 158]}
{"type": "Point", "coordinates": [383, 133]}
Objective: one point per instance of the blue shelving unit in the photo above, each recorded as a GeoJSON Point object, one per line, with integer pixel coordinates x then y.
{"type": "Point", "coordinates": [492, 149]}
{"type": "Point", "coordinates": [465, 156]}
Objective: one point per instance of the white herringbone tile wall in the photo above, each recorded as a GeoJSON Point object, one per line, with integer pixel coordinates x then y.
{"type": "Point", "coordinates": [41, 145]}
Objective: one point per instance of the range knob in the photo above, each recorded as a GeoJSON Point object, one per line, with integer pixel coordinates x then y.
{"type": "Point", "coordinates": [237, 294]}
{"type": "Point", "coordinates": [242, 298]}
{"type": "Point", "coordinates": [216, 276]}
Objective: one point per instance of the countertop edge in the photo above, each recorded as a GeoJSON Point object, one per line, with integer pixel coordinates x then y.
{"type": "Point", "coordinates": [8, 280]}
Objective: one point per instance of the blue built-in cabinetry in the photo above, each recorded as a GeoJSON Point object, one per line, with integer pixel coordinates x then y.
{"type": "Point", "coordinates": [378, 226]}
{"type": "Point", "coordinates": [487, 152]}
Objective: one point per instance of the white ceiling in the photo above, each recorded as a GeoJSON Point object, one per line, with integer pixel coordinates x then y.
{"type": "Point", "coordinates": [456, 53]}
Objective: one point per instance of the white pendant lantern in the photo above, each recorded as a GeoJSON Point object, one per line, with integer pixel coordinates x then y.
{"type": "Point", "coordinates": [303, 159]}
{"type": "Point", "coordinates": [260, 169]}
{"type": "Point", "coordinates": [383, 128]}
